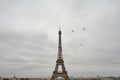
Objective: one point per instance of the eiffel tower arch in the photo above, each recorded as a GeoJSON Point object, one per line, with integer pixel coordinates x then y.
{"type": "Point", "coordinates": [60, 62]}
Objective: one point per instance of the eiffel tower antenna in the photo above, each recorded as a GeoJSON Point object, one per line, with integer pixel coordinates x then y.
{"type": "Point", "coordinates": [59, 28]}
{"type": "Point", "coordinates": [60, 45]}
{"type": "Point", "coordinates": [60, 62]}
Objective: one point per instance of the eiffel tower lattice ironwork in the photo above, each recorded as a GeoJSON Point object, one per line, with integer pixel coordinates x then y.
{"type": "Point", "coordinates": [60, 62]}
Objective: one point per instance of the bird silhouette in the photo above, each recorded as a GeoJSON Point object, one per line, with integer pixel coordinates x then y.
{"type": "Point", "coordinates": [72, 30]}
{"type": "Point", "coordinates": [81, 44]}
{"type": "Point", "coordinates": [84, 28]}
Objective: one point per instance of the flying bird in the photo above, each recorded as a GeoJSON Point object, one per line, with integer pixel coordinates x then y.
{"type": "Point", "coordinates": [84, 28]}
{"type": "Point", "coordinates": [72, 30]}
{"type": "Point", "coordinates": [81, 44]}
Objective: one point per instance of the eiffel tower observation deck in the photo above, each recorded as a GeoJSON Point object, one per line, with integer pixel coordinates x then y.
{"type": "Point", "coordinates": [60, 62]}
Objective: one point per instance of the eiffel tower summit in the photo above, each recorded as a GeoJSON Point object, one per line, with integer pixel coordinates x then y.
{"type": "Point", "coordinates": [60, 62]}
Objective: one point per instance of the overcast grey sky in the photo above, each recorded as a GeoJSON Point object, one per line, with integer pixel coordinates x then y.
{"type": "Point", "coordinates": [29, 37]}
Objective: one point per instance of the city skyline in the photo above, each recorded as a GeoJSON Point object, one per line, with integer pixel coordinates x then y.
{"type": "Point", "coordinates": [29, 37]}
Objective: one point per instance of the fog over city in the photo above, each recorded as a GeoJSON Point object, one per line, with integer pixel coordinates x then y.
{"type": "Point", "coordinates": [29, 37]}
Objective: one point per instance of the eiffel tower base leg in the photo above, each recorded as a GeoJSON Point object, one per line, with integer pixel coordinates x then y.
{"type": "Point", "coordinates": [63, 75]}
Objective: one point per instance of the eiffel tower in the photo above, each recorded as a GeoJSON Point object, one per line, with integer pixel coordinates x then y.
{"type": "Point", "coordinates": [60, 62]}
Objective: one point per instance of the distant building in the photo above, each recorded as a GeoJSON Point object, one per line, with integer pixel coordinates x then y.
{"type": "Point", "coordinates": [14, 78]}
{"type": "Point", "coordinates": [118, 78]}
{"type": "Point", "coordinates": [0, 78]}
